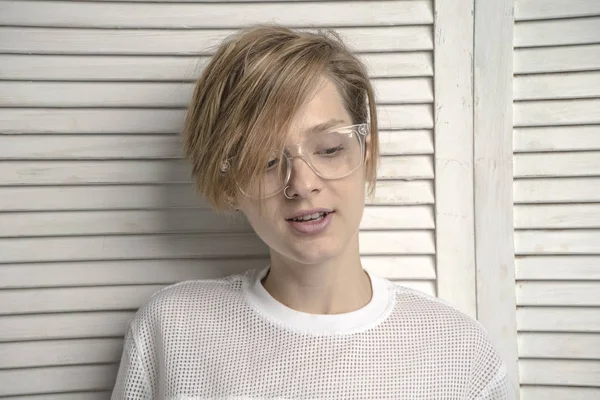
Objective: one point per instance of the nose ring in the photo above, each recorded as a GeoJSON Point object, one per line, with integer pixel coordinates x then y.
{"type": "Point", "coordinates": [287, 196]}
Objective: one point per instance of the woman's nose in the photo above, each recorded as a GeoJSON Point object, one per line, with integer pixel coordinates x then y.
{"type": "Point", "coordinates": [303, 182]}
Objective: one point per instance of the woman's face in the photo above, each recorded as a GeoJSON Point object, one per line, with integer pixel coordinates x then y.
{"type": "Point", "coordinates": [337, 233]}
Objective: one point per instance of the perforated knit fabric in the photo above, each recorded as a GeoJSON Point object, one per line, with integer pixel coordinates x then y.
{"type": "Point", "coordinates": [229, 339]}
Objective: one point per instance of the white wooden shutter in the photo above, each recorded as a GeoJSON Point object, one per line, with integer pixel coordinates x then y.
{"type": "Point", "coordinates": [557, 197]}
{"type": "Point", "coordinates": [96, 207]}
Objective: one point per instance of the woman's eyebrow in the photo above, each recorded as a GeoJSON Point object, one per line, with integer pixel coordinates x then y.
{"type": "Point", "coordinates": [324, 126]}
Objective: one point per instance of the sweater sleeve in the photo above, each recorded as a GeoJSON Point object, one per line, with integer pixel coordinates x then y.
{"type": "Point", "coordinates": [489, 380]}
{"type": "Point", "coordinates": [132, 379]}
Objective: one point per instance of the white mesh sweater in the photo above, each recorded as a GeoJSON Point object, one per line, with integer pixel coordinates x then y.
{"type": "Point", "coordinates": [229, 339]}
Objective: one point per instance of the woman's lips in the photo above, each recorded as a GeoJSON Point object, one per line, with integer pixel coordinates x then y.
{"type": "Point", "coordinates": [313, 227]}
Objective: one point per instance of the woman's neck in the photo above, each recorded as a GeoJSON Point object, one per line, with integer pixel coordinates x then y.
{"type": "Point", "coordinates": [337, 286]}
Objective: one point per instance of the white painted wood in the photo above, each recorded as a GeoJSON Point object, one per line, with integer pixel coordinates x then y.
{"type": "Point", "coordinates": [394, 217]}
{"type": "Point", "coordinates": [223, 15]}
{"type": "Point", "coordinates": [560, 372]}
{"type": "Point", "coordinates": [535, 165]}
{"type": "Point", "coordinates": [557, 216]}
{"type": "Point", "coordinates": [146, 272]}
{"type": "Point", "coordinates": [100, 197]}
{"type": "Point", "coordinates": [187, 245]}
{"type": "Point", "coordinates": [60, 352]}
{"type": "Point", "coordinates": [405, 167]}
{"type": "Point", "coordinates": [155, 121]}
{"type": "Point", "coordinates": [557, 59]}
{"type": "Point", "coordinates": [396, 242]}
{"type": "Point", "coordinates": [558, 319]}
{"type": "Point", "coordinates": [20, 40]}
{"type": "Point", "coordinates": [549, 9]}
{"type": "Point", "coordinates": [579, 241]}
{"type": "Point", "coordinates": [558, 268]}
{"type": "Point", "coordinates": [21, 147]}
{"type": "Point", "coordinates": [558, 293]}
{"type": "Point", "coordinates": [123, 272]}
{"type": "Point", "coordinates": [54, 300]}
{"type": "Point", "coordinates": [559, 112]}
{"type": "Point", "coordinates": [137, 247]}
{"type": "Point", "coordinates": [559, 345]}
{"type": "Point", "coordinates": [455, 242]}
{"type": "Point", "coordinates": [427, 287]}
{"type": "Point", "coordinates": [573, 85]}
{"type": "Point", "coordinates": [403, 142]}
{"type": "Point", "coordinates": [95, 395]}
{"type": "Point", "coordinates": [164, 94]}
{"type": "Point", "coordinates": [399, 192]}
{"type": "Point", "coordinates": [493, 176]}
{"type": "Point", "coordinates": [559, 190]}
{"type": "Point", "coordinates": [64, 326]}
{"type": "Point", "coordinates": [199, 220]}
{"type": "Point", "coordinates": [557, 32]}
{"type": "Point", "coordinates": [57, 379]}
{"type": "Point", "coordinates": [170, 68]}
{"type": "Point", "coordinates": [181, 221]}
{"type": "Point", "coordinates": [559, 393]}
{"type": "Point", "coordinates": [161, 171]}
{"type": "Point", "coordinates": [556, 138]}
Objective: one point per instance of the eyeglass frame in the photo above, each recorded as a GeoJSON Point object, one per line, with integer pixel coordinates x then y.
{"type": "Point", "coordinates": [362, 131]}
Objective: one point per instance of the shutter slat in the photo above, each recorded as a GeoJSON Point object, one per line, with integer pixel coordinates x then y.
{"type": "Point", "coordinates": [550, 9]}
{"type": "Point", "coordinates": [60, 352]}
{"type": "Point", "coordinates": [580, 241]}
{"type": "Point", "coordinates": [145, 272]}
{"type": "Point", "coordinates": [557, 59]}
{"type": "Point", "coordinates": [164, 94]}
{"type": "Point", "coordinates": [57, 379]}
{"type": "Point", "coordinates": [558, 267]}
{"type": "Point", "coordinates": [559, 190]}
{"type": "Point", "coordinates": [161, 171]}
{"type": "Point", "coordinates": [188, 245]}
{"type": "Point", "coordinates": [558, 319]}
{"type": "Point", "coordinates": [98, 197]}
{"type": "Point", "coordinates": [559, 393]}
{"type": "Point", "coordinates": [64, 326]}
{"type": "Point", "coordinates": [123, 121]}
{"type": "Point", "coordinates": [558, 293]}
{"type": "Point", "coordinates": [132, 147]}
{"type": "Point", "coordinates": [55, 300]}
{"type": "Point", "coordinates": [559, 345]}
{"type": "Point", "coordinates": [556, 138]}
{"type": "Point", "coordinates": [574, 85]}
{"type": "Point", "coordinates": [135, 247]}
{"type": "Point", "coordinates": [169, 68]}
{"type": "Point", "coordinates": [557, 216]}
{"type": "Point", "coordinates": [557, 32]}
{"type": "Point", "coordinates": [165, 15]}
{"type": "Point", "coordinates": [533, 165]}
{"type": "Point", "coordinates": [559, 372]}
{"type": "Point", "coordinates": [181, 221]}
{"type": "Point", "coordinates": [558, 112]}
{"type": "Point", "coordinates": [170, 42]}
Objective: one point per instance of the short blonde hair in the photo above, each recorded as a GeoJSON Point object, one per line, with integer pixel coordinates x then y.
{"type": "Point", "coordinates": [249, 92]}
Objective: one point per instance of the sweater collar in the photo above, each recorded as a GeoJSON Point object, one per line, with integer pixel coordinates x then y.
{"type": "Point", "coordinates": [370, 315]}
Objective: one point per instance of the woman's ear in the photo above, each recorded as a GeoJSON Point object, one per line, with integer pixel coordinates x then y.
{"type": "Point", "coordinates": [367, 149]}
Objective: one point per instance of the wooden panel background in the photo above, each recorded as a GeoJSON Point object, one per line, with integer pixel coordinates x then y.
{"type": "Point", "coordinates": [556, 143]}
{"type": "Point", "coordinates": [96, 207]}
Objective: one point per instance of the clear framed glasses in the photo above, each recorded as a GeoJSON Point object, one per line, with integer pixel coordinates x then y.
{"type": "Point", "coordinates": [333, 154]}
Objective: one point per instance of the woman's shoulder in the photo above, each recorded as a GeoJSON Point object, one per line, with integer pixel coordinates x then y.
{"type": "Point", "coordinates": [429, 311]}
{"type": "Point", "coordinates": [187, 298]}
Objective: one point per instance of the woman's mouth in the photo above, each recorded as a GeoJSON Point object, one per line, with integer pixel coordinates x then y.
{"type": "Point", "coordinates": [311, 224]}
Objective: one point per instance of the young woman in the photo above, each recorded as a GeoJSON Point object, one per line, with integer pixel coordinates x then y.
{"type": "Point", "coordinates": [283, 128]}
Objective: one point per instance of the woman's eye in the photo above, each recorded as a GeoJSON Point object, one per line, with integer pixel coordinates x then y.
{"type": "Point", "coordinates": [272, 163]}
{"type": "Point", "coordinates": [330, 151]}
